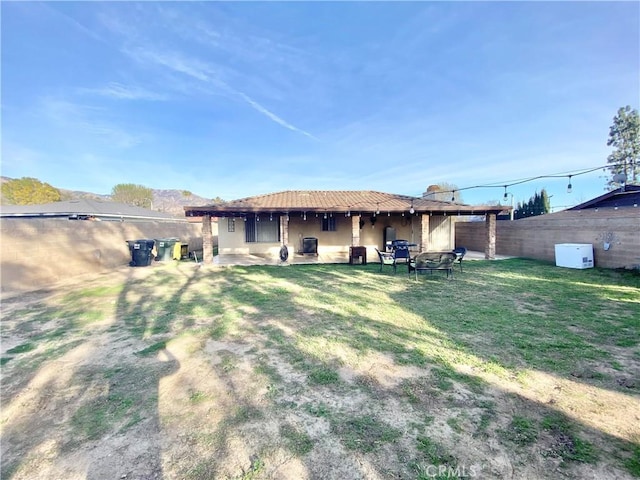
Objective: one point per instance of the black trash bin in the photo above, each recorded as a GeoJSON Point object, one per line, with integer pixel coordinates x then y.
{"type": "Point", "coordinates": [165, 247]}
{"type": "Point", "coordinates": [141, 255]}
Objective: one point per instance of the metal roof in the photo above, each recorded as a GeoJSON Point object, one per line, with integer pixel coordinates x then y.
{"type": "Point", "coordinates": [627, 196]}
{"type": "Point", "coordinates": [84, 207]}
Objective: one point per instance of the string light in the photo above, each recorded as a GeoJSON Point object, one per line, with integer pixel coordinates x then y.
{"type": "Point", "coordinates": [531, 179]}
{"type": "Point", "coordinates": [569, 187]}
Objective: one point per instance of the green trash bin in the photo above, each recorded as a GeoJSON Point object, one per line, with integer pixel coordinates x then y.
{"type": "Point", "coordinates": [165, 248]}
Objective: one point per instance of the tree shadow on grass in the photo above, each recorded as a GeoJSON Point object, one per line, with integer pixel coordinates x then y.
{"type": "Point", "coordinates": [292, 317]}
{"type": "Point", "coordinates": [430, 301]}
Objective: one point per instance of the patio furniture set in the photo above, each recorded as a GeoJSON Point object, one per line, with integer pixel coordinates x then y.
{"type": "Point", "coordinates": [422, 262]}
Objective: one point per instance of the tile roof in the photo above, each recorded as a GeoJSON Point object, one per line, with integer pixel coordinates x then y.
{"type": "Point", "coordinates": [324, 200]}
{"type": "Point", "coordinates": [333, 200]}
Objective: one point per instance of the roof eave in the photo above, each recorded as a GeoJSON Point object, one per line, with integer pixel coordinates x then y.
{"type": "Point", "coordinates": [448, 209]}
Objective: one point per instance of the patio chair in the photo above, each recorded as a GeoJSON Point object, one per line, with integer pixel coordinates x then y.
{"type": "Point", "coordinates": [399, 255]}
{"type": "Point", "coordinates": [460, 253]}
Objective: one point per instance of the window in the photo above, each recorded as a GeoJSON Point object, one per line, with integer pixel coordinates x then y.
{"type": "Point", "coordinates": [231, 224]}
{"type": "Point", "coordinates": [329, 224]}
{"type": "Point", "coordinates": [262, 229]}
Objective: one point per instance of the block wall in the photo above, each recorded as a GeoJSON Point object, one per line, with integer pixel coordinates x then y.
{"type": "Point", "coordinates": [37, 252]}
{"type": "Point", "coordinates": [535, 237]}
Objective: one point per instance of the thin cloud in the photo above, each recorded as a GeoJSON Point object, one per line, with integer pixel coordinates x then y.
{"type": "Point", "coordinates": [74, 23]}
{"type": "Point", "coordinates": [273, 116]}
{"type": "Point", "coordinates": [190, 67]}
{"type": "Point", "coordinates": [206, 73]}
{"type": "Point", "coordinates": [125, 92]}
{"type": "Point", "coordinates": [87, 119]}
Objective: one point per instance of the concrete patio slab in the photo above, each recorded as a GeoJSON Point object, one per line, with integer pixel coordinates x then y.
{"type": "Point", "coordinates": [298, 259]}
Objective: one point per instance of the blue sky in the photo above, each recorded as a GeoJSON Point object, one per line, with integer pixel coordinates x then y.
{"type": "Point", "coordinates": [234, 99]}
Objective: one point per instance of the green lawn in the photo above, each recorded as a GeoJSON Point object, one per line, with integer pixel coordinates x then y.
{"type": "Point", "coordinates": [512, 369]}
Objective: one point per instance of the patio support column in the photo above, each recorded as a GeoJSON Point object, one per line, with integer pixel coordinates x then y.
{"type": "Point", "coordinates": [490, 236]}
{"type": "Point", "coordinates": [207, 240]}
{"type": "Point", "coordinates": [355, 230]}
{"type": "Point", "coordinates": [424, 232]}
{"type": "Point", "coordinates": [284, 229]}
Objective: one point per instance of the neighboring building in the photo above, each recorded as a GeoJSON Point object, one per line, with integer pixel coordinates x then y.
{"type": "Point", "coordinates": [337, 220]}
{"type": "Point", "coordinates": [86, 209]}
{"type": "Point", "coordinates": [627, 196]}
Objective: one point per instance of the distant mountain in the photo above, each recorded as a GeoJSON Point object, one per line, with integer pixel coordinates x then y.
{"type": "Point", "coordinates": [168, 201]}
{"type": "Point", "coordinates": [76, 194]}
{"type": "Point", "coordinates": [174, 201]}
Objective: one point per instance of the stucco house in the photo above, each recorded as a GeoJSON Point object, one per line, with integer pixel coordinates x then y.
{"type": "Point", "coordinates": [326, 221]}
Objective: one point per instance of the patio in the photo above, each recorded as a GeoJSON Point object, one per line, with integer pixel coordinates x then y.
{"type": "Point", "coordinates": [224, 260]}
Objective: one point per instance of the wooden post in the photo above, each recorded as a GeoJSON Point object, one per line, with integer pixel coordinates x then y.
{"type": "Point", "coordinates": [207, 240]}
{"type": "Point", "coordinates": [490, 236]}
{"type": "Point", "coordinates": [424, 232]}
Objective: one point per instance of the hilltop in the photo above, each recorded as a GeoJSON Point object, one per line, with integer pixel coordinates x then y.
{"type": "Point", "coordinates": [169, 201]}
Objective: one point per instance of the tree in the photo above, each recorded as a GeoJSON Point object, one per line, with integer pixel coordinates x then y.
{"type": "Point", "coordinates": [29, 191]}
{"type": "Point", "coordinates": [218, 201]}
{"type": "Point", "coordinates": [131, 194]}
{"type": "Point", "coordinates": [537, 205]}
{"type": "Point", "coordinates": [443, 192]}
{"type": "Point", "coordinates": [624, 137]}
